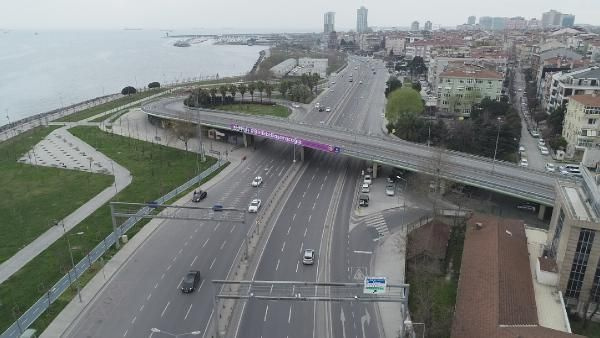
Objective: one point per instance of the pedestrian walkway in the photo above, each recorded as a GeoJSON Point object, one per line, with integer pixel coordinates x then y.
{"type": "Point", "coordinates": [378, 222]}
{"type": "Point", "coordinates": [63, 150]}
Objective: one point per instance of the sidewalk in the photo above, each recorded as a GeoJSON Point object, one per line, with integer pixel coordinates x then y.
{"type": "Point", "coordinates": [63, 150]}
{"type": "Point", "coordinates": [72, 313]}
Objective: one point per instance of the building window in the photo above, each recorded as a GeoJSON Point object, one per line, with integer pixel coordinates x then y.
{"type": "Point", "coordinates": [557, 232]}
{"type": "Point", "coordinates": [596, 285]}
{"type": "Point", "coordinates": [580, 261]}
{"type": "Point", "coordinates": [591, 121]}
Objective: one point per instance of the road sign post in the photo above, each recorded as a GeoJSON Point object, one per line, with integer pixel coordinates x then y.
{"type": "Point", "coordinates": [374, 285]}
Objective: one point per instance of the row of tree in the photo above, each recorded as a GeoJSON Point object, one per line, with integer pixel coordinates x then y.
{"type": "Point", "coordinates": [129, 90]}
{"type": "Point", "coordinates": [201, 97]}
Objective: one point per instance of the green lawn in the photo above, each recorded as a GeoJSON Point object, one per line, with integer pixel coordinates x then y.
{"type": "Point", "coordinates": [257, 109]}
{"type": "Point", "coordinates": [33, 196]}
{"type": "Point", "coordinates": [93, 111]}
{"type": "Point", "coordinates": [591, 331]}
{"type": "Point", "coordinates": [155, 169]}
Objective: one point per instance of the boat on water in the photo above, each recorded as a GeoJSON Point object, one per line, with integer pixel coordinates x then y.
{"type": "Point", "coordinates": [181, 43]}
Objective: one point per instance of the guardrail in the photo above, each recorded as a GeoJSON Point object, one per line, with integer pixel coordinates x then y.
{"type": "Point", "coordinates": [39, 307]}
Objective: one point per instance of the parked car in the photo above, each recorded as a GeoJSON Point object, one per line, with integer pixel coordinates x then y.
{"type": "Point", "coordinates": [363, 200]}
{"type": "Point", "coordinates": [541, 142]}
{"type": "Point", "coordinates": [328, 109]}
{"type": "Point", "coordinates": [534, 133]}
{"type": "Point", "coordinates": [257, 181]}
{"type": "Point", "coordinates": [190, 281]}
{"type": "Point", "coordinates": [309, 257]}
{"type": "Point", "coordinates": [218, 207]}
{"type": "Point", "coordinates": [521, 149]}
{"type": "Point", "coordinates": [544, 151]}
{"type": "Point", "coordinates": [199, 196]}
{"type": "Point", "coordinates": [365, 188]}
{"type": "Point", "coordinates": [254, 205]}
{"type": "Point", "coordinates": [550, 167]}
{"type": "Point", "coordinates": [390, 190]}
{"type": "Point", "coordinates": [321, 109]}
{"type": "Point", "coordinates": [526, 206]}
{"type": "Point", "coordinates": [524, 163]}
{"type": "Point", "coordinates": [368, 179]}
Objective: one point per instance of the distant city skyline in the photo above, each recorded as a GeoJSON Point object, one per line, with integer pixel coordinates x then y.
{"type": "Point", "coordinates": [241, 15]}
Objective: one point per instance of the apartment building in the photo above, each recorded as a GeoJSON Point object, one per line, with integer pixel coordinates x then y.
{"type": "Point", "coordinates": [438, 65]}
{"type": "Point", "coordinates": [572, 241]}
{"type": "Point", "coordinates": [395, 45]}
{"type": "Point", "coordinates": [459, 89]}
{"type": "Point", "coordinates": [584, 81]}
{"type": "Point", "coordinates": [581, 126]}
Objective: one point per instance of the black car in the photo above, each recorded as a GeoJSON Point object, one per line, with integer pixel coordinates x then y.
{"type": "Point", "coordinates": [321, 109]}
{"type": "Point", "coordinates": [190, 281]}
{"type": "Point", "coordinates": [153, 204]}
{"type": "Point", "coordinates": [199, 196]}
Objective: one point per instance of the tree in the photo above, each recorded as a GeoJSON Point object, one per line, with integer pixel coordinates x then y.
{"type": "Point", "coordinates": [315, 80]}
{"type": "Point", "coordinates": [402, 101]}
{"type": "Point", "coordinates": [416, 86]}
{"type": "Point", "coordinates": [556, 119]}
{"type": "Point", "coordinates": [284, 86]}
{"type": "Point", "coordinates": [213, 94]}
{"type": "Point", "coordinates": [392, 84]}
{"type": "Point", "coordinates": [242, 89]}
{"type": "Point", "coordinates": [269, 90]}
{"type": "Point", "coordinates": [153, 85]}
{"type": "Point", "coordinates": [260, 85]}
{"type": "Point", "coordinates": [184, 131]}
{"type": "Point", "coordinates": [558, 143]}
{"type": "Point", "coordinates": [251, 89]}
{"type": "Point", "coordinates": [233, 90]}
{"type": "Point", "coordinates": [223, 91]}
{"type": "Point", "coordinates": [128, 90]}
{"type": "Point", "coordinates": [417, 66]}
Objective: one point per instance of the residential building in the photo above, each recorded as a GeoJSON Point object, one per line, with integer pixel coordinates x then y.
{"type": "Point", "coordinates": [538, 62]}
{"type": "Point", "coordinates": [395, 45]}
{"type": "Point", "coordinates": [485, 22]}
{"type": "Point", "coordinates": [332, 40]}
{"type": "Point", "coordinates": [283, 68]}
{"type": "Point", "coordinates": [574, 239]}
{"type": "Point", "coordinates": [516, 23]}
{"type": "Point", "coordinates": [471, 20]}
{"type": "Point", "coordinates": [329, 22]}
{"type": "Point", "coordinates": [459, 89]}
{"type": "Point", "coordinates": [370, 42]}
{"type": "Point", "coordinates": [534, 23]}
{"type": "Point", "coordinates": [557, 19]}
{"type": "Point", "coordinates": [414, 26]}
{"type": "Point", "coordinates": [584, 81]}
{"type": "Point", "coordinates": [498, 23]}
{"type": "Point", "coordinates": [428, 26]}
{"type": "Point", "coordinates": [428, 245]}
{"type": "Point", "coordinates": [581, 126]}
{"type": "Point", "coordinates": [499, 293]}
{"type": "Point", "coordinates": [361, 20]}
{"type": "Point", "coordinates": [439, 64]}
{"type": "Point", "coordinates": [567, 20]}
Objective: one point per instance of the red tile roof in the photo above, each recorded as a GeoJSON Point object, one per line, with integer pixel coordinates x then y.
{"type": "Point", "coordinates": [495, 295]}
{"type": "Point", "coordinates": [587, 100]}
{"type": "Point", "coordinates": [430, 239]}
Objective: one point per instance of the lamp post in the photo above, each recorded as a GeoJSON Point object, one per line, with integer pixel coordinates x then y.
{"type": "Point", "coordinates": [193, 333]}
{"type": "Point", "coordinates": [496, 148]}
{"type": "Point", "coordinates": [71, 255]}
{"type": "Point", "coordinates": [409, 323]}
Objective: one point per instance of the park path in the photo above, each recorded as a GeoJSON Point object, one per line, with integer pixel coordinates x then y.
{"type": "Point", "coordinates": [63, 150]}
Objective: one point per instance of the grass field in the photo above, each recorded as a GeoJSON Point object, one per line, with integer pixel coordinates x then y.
{"type": "Point", "coordinates": [110, 117]}
{"type": "Point", "coordinates": [155, 169]}
{"type": "Point", "coordinates": [256, 109]}
{"type": "Point", "coordinates": [33, 196]}
{"type": "Point", "coordinates": [92, 111]}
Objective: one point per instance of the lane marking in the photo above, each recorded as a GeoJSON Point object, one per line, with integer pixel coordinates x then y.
{"type": "Point", "coordinates": [301, 246]}
{"type": "Point", "coordinates": [169, 267]}
{"type": "Point", "coordinates": [318, 195]}
{"type": "Point", "coordinates": [188, 312]}
{"type": "Point", "coordinates": [299, 203]}
{"type": "Point", "coordinates": [149, 296]}
{"type": "Point", "coordinates": [309, 217]}
{"type": "Point", "coordinates": [162, 277]}
{"type": "Point", "coordinates": [165, 309]}
{"type": "Point", "coordinates": [305, 231]}
{"type": "Point", "coordinates": [192, 236]}
{"type": "Point", "coordinates": [124, 334]}
{"type": "Point", "coordinates": [223, 245]}
{"type": "Point", "coordinates": [142, 308]}
{"type": "Point", "coordinates": [186, 243]}
{"type": "Point", "coordinates": [232, 228]}
{"type": "Point", "coordinates": [179, 285]}
{"type": "Point", "coordinates": [294, 217]}
{"type": "Point", "coordinates": [304, 194]}
{"type": "Point", "coordinates": [156, 285]}
{"type": "Point", "coordinates": [283, 247]}
{"type": "Point", "coordinates": [277, 266]}
{"type": "Point", "coordinates": [133, 320]}
{"type": "Point", "coordinates": [266, 313]}
{"type": "Point", "coordinates": [205, 242]}
{"type": "Point", "coordinates": [216, 227]}
{"type": "Point", "coordinates": [174, 258]}
{"type": "Point", "coordinates": [363, 252]}
{"type": "Point", "coordinates": [290, 315]}
{"type": "Point", "coordinates": [194, 261]}
{"type": "Point", "coordinates": [321, 186]}
{"type": "Point", "coordinates": [213, 263]}
{"type": "Point", "coordinates": [297, 265]}
{"type": "Point", "coordinates": [314, 204]}
{"type": "Point", "coordinates": [290, 228]}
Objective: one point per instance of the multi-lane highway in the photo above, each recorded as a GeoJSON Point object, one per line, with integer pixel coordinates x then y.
{"type": "Point", "coordinates": [354, 140]}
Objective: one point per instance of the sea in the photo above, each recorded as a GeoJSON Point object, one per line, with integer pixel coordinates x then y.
{"type": "Point", "coordinates": [44, 70]}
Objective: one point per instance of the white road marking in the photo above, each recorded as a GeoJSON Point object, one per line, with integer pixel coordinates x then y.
{"type": "Point", "coordinates": [156, 285]}
{"type": "Point", "coordinates": [194, 261]}
{"type": "Point", "coordinates": [232, 228]}
{"type": "Point", "coordinates": [205, 242]}
{"type": "Point", "coordinates": [266, 312]}
{"type": "Point", "coordinates": [277, 266]}
{"type": "Point", "coordinates": [223, 245]}
{"type": "Point", "coordinates": [325, 179]}
{"type": "Point", "coordinates": [201, 283]}
{"type": "Point", "coordinates": [124, 334]}
{"type": "Point", "coordinates": [174, 259]}
{"type": "Point", "coordinates": [309, 217]}
{"type": "Point", "coordinates": [163, 276]}
{"type": "Point", "coordinates": [216, 227]}
{"type": "Point", "coordinates": [188, 312]}
{"type": "Point", "coordinates": [318, 195]}
{"type": "Point", "coordinates": [363, 252]}
{"type": "Point", "coordinates": [180, 251]}
{"type": "Point", "coordinates": [179, 285]}
{"type": "Point", "coordinates": [294, 217]}
{"type": "Point", "coordinates": [297, 265]}
{"type": "Point", "coordinates": [133, 320]}
{"type": "Point", "coordinates": [321, 186]}
{"type": "Point", "coordinates": [290, 228]}
{"type": "Point", "coordinates": [305, 231]}
{"type": "Point", "coordinates": [313, 177]}
{"type": "Point", "coordinates": [299, 203]}
{"type": "Point", "coordinates": [165, 309]}
{"type": "Point", "coordinates": [290, 315]}
{"type": "Point", "coordinates": [142, 308]}
{"type": "Point", "coordinates": [149, 296]}
{"type": "Point", "coordinates": [169, 267]}
{"type": "Point", "coordinates": [186, 243]}
{"type": "Point", "coordinates": [196, 230]}
{"type": "Point", "coordinates": [314, 204]}
{"type": "Point", "coordinates": [213, 263]}
{"type": "Point", "coordinates": [301, 246]}
{"type": "Point", "coordinates": [283, 247]}
{"type": "Point", "coordinates": [192, 236]}
{"type": "Point", "coordinates": [304, 194]}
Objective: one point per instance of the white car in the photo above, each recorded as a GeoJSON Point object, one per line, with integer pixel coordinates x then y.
{"type": "Point", "coordinates": [368, 180]}
{"type": "Point", "coordinates": [550, 167]}
{"type": "Point", "coordinates": [332, 82]}
{"type": "Point", "coordinates": [535, 133]}
{"type": "Point", "coordinates": [328, 109]}
{"type": "Point", "coordinates": [521, 149]}
{"type": "Point", "coordinates": [295, 105]}
{"type": "Point", "coordinates": [541, 142]}
{"type": "Point", "coordinates": [524, 163]}
{"type": "Point", "coordinates": [390, 190]}
{"type": "Point", "coordinates": [257, 181]}
{"type": "Point", "coordinates": [254, 205]}
{"type": "Point", "coordinates": [544, 151]}
{"type": "Point", "coordinates": [309, 257]}
{"type": "Point", "coordinates": [365, 188]}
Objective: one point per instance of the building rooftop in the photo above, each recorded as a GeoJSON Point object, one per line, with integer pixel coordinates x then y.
{"type": "Point", "coordinates": [495, 295]}
{"type": "Point", "coordinates": [585, 73]}
{"type": "Point", "coordinates": [475, 73]}
{"type": "Point", "coordinates": [587, 100]}
{"type": "Point", "coordinates": [430, 239]}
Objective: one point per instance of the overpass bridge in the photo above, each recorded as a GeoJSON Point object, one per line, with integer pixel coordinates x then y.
{"type": "Point", "coordinates": [502, 177]}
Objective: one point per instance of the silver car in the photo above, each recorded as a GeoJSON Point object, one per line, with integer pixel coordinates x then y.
{"type": "Point", "coordinates": [390, 190]}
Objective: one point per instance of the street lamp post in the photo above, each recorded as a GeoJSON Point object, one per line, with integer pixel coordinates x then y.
{"type": "Point", "coordinates": [192, 333]}
{"type": "Point", "coordinates": [71, 256]}
{"type": "Point", "coordinates": [409, 323]}
{"type": "Point", "coordinates": [496, 148]}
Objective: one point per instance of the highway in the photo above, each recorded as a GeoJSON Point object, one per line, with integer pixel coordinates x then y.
{"type": "Point", "coordinates": [355, 141]}
{"type": "Point", "coordinates": [145, 291]}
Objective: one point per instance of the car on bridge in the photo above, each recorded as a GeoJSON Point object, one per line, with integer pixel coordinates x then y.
{"type": "Point", "coordinates": [190, 281]}
{"type": "Point", "coordinates": [254, 205]}
{"type": "Point", "coordinates": [257, 181]}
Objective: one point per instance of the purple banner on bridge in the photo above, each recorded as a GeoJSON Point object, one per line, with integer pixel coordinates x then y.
{"type": "Point", "coordinates": [286, 139]}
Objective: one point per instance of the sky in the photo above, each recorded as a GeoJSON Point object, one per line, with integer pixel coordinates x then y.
{"type": "Point", "coordinates": [269, 15]}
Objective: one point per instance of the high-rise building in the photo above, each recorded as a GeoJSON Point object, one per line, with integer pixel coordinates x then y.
{"type": "Point", "coordinates": [555, 19]}
{"type": "Point", "coordinates": [516, 23]}
{"type": "Point", "coordinates": [361, 20]}
{"type": "Point", "coordinates": [428, 26]}
{"type": "Point", "coordinates": [567, 20]}
{"type": "Point", "coordinates": [485, 22]}
{"type": "Point", "coordinates": [471, 20]}
{"type": "Point", "coordinates": [498, 23]}
{"type": "Point", "coordinates": [329, 22]}
{"type": "Point", "coordinates": [414, 26]}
